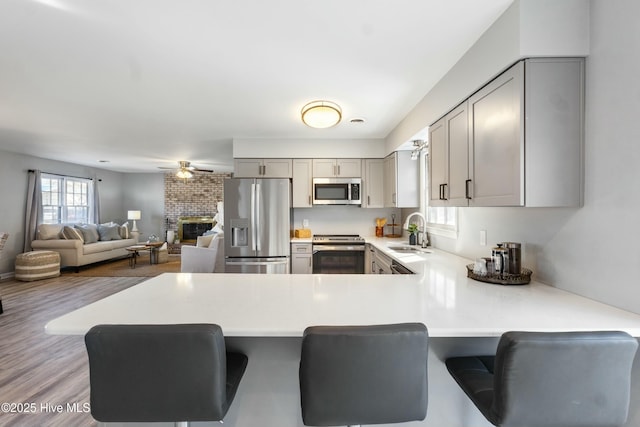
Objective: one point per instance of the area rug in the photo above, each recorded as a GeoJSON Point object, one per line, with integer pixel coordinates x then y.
{"type": "Point", "coordinates": [121, 268]}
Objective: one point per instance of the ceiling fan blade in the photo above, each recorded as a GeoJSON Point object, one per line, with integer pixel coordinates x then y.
{"type": "Point", "coordinates": [202, 170]}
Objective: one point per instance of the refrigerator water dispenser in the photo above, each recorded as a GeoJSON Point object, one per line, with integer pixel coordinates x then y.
{"type": "Point", "coordinates": [239, 232]}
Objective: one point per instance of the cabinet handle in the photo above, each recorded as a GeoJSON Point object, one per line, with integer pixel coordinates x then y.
{"type": "Point", "coordinates": [338, 170]}
{"type": "Point", "coordinates": [309, 262]}
{"type": "Point", "coordinates": [309, 200]}
{"type": "Point", "coordinates": [264, 169]}
{"type": "Point", "coordinates": [393, 198]}
{"type": "Point", "coordinates": [467, 189]}
{"type": "Point", "coordinates": [368, 200]}
{"type": "Point", "coordinates": [441, 192]}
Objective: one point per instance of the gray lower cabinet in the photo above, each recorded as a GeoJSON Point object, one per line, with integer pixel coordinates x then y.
{"type": "Point", "coordinates": [524, 132]}
{"type": "Point", "coordinates": [301, 258]}
{"type": "Point", "coordinates": [376, 262]}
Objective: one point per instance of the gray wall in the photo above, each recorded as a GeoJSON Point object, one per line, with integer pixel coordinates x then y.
{"type": "Point", "coordinates": [145, 192]}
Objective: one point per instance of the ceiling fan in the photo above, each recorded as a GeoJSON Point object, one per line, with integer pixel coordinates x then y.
{"type": "Point", "coordinates": [185, 170]}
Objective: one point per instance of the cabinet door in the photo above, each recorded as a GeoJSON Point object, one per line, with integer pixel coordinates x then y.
{"type": "Point", "coordinates": [457, 130]}
{"type": "Point", "coordinates": [276, 168]}
{"type": "Point", "coordinates": [497, 141]}
{"type": "Point", "coordinates": [349, 168]}
{"type": "Point", "coordinates": [390, 190]}
{"type": "Point", "coordinates": [324, 168]}
{"type": "Point", "coordinates": [438, 164]}
{"type": "Point", "coordinates": [302, 183]}
{"type": "Point", "coordinates": [373, 183]}
{"type": "Point", "coordinates": [247, 168]}
{"type": "Point", "coordinates": [301, 258]}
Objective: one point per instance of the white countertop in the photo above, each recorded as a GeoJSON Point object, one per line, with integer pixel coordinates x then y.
{"type": "Point", "coordinates": [440, 296]}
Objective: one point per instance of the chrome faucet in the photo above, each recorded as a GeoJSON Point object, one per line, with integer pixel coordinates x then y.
{"type": "Point", "coordinates": [424, 226]}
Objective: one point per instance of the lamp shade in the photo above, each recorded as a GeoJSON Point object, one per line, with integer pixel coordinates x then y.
{"type": "Point", "coordinates": [133, 215]}
{"type": "Point", "coordinates": [321, 114]}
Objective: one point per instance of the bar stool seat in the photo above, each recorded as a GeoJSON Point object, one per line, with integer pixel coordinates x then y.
{"type": "Point", "coordinates": [154, 373]}
{"type": "Point", "coordinates": [568, 379]}
{"type": "Point", "coordinates": [352, 375]}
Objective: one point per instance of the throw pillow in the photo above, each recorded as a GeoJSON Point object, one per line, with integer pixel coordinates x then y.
{"type": "Point", "coordinates": [124, 230]}
{"type": "Point", "coordinates": [109, 232]}
{"type": "Point", "coordinates": [204, 241]}
{"type": "Point", "coordinates": [71, 233]}
{"type": "Point", "coordinates": [89, 234]}
{"type": "Point", "coordinates": [49, 231]}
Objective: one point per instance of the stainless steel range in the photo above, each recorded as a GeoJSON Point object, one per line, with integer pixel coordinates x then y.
{"type": "Point", "coordinates": [338, 254]}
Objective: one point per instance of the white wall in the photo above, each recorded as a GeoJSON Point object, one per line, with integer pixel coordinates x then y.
{"type": "Point", "coordinates": [309, 148]}
{"type": "Point", "coordinates": [343, 219]}
{"type": "Point", "coordinates": [527, 28]}
{"type": "Point", "coordinates": [592, 251]}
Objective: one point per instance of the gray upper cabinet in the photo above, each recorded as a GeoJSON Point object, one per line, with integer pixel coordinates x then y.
{"type": "Point", "coordinates": [373, 183]}
{"type": "Point", "coordinates": [516, 142]}
{"type": "Point", "coordinates": [262, 168]}
{"type": "Point", "coordinates": [401, 180]}
{"type": "Point", "coordinates": [302, 183]}
{"type": "Point", "coordinates": [449, 159]}
{"type": "Point", "coordinates": [331, 168]}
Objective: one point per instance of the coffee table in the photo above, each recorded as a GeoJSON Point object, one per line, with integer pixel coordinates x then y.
{"type": "Point", "coordinates": [133, 251]}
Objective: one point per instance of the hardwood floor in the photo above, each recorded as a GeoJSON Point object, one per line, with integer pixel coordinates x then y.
{"type": "Point", "coordinates": [38, 372]}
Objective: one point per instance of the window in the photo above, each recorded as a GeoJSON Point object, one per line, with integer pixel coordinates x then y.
{"type": "Point", "coordinates": [441, 221]}
{"type": "Point", "coordinates": [66, 199]}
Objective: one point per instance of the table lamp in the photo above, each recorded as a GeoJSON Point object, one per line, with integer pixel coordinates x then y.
{"type": "Point", "coordinates": [134, 215]}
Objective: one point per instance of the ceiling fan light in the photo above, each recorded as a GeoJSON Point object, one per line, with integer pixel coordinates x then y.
{"type": "Point", "coordinates": [184, 174]}
{"type": "Point", "coordinates": [321, 114]}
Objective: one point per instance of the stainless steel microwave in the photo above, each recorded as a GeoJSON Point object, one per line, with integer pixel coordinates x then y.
{"type": "Point", "coordinates": [337, 191]}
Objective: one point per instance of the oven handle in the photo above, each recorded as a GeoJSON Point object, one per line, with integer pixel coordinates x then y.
{"type": "Point", "coordinates": [329, 248]}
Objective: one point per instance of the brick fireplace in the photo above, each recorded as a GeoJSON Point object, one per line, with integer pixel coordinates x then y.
{"type": "Point", "coordinates": [194, 197]}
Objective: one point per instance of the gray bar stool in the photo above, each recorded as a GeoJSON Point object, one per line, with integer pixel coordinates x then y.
{"type": "Point", "coordinates": [153, 373]}
{"type": "Point", "coordinates": [568, 379]}
{"type": "Point", "coordinates": [351, 375]}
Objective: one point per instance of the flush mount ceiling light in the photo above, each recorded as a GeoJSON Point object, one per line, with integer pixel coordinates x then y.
{"type": "Point", "coordinates": [321, 114]}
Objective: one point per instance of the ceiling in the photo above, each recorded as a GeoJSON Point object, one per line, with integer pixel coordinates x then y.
{"type": "Point", "coordinates": [144, 83]}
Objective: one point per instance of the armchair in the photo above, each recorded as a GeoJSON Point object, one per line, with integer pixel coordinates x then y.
{"type": "Point", "coordinates": [206, 257]}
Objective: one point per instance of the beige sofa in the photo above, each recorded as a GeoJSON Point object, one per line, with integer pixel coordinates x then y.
{"type": "Point", "coordinates": [73, 250]}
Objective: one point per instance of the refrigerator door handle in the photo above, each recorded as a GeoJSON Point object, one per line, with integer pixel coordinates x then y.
{"type": "Point", "coordinates": [257, 217]}
{"type": "Point", "coordinates": [257, 262]}
{"type": "Point", "coordinates": [253, 217]}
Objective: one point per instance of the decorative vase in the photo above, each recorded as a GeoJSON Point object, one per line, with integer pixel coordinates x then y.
{"type": "Point", "coordinates": [170, 236]}
{"type": "Point", "coordinates": [413, 239]}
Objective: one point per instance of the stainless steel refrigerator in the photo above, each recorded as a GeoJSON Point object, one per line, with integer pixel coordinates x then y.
{"type": "Point", "coordinates": [257, 222]}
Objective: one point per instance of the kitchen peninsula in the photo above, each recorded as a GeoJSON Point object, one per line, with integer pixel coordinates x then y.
{"type": "Point", "coordinates": [265, 316]}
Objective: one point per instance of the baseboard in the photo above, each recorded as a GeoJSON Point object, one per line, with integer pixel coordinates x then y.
{"type": "Point", "coordinates": [9, 275]}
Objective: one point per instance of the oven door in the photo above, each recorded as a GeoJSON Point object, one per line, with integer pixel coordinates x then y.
{"type": "Point", "coordinates": [338, 259]}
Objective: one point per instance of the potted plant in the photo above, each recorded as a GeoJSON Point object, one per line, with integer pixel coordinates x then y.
{"type": "Point", "coordinates": [413, 234]}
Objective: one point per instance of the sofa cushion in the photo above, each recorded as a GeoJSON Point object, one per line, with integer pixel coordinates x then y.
{"type": "Point", "coordinates": [71, 233]}
{"type": "Point", "coordinates": [109, 232]}
{"type": "Point", "coordinates": [49, 231]}
{"type": "Point", "coordinates": [89, 232]}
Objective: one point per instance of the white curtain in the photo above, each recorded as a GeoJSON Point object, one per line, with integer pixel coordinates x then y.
{"type": "Point", "coordinates": [33, 212]}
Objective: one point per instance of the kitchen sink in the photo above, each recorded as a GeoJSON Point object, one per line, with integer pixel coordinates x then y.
{"type": "Point", "coordinates": [408, 249]}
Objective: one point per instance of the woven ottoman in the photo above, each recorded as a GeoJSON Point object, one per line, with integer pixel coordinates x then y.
{"type": "Point", "coordinates": [37, 265]}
